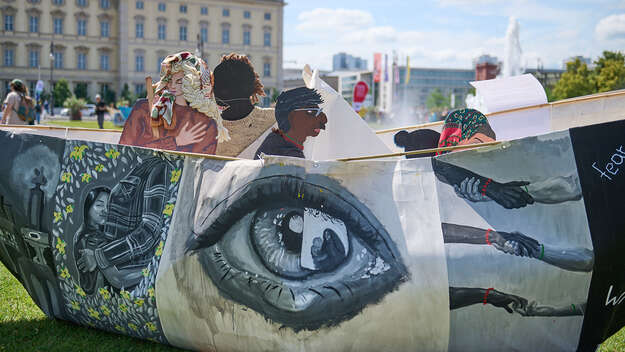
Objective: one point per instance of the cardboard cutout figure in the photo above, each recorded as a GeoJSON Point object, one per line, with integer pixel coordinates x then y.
{"type": "Point", "coordinates": [184, 116]}
{"type": "Point", "coordinates": [237, 89]}
{"type": "Point", "coordinates": [299, 116]}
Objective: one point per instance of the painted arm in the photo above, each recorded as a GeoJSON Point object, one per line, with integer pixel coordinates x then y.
{"type": "Point", "coordinates": [516, 243]}
{"type": "Point", "coordinates": [465, 296]}
{"type": "Point", "coordinates": [534, 310]}
{"type": "Point", "coordinates": [509, 195]}
{"type": "Point", "coordinates": [549, 191]}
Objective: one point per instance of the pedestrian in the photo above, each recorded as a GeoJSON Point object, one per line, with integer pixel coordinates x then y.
{"type": "Point", "coordinates": [17, 98]}
{"type": "Point", "coordinates": [100, 110]}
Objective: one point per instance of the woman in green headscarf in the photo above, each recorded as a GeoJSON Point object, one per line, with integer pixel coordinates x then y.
{"type": "Point", "coordinates": [465, 126]}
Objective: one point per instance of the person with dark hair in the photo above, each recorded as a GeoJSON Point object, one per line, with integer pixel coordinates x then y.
{"type": "Point", "coordinates": [237, 88]}
{"type": "Point", "coordinates": [465, 126]}
{"type": "Point", "coordinates": [299, 116]}
{"type": "Point", "coordinates": [90, 236]}
{"type": "Point", "coordinates": [417, 140]}
{"type": "Point", "coordinates": [12, 102]}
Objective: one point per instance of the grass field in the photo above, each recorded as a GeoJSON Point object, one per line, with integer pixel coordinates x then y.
{"type": "Point", "coordinates": [23, 327]}
{"type": "Point", "coordinates": [84, 124]}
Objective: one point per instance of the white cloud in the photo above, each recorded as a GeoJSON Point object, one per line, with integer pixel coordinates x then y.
{"type": "Point", "coordinates": [611, 27]}
{"type": "Point", "coordinates": [330, 20]}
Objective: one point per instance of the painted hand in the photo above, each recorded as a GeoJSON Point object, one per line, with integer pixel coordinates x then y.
{"type": "Point", "coordinates": [87, 262]}
{"type": "Point", "coordinates": [469, 189]}
{"type": "Point", "coordinates": [190, 135]}
{"type": "Point", "coordinates": [509, 195]}
{"type": "Point", "coordinates": [506, 301]}
{"type": "Point", "coordinates": [515, 243]}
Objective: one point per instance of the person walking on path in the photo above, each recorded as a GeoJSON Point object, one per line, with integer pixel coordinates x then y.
{"type": "Point", "coordinates": [100, 110]}
{"type": "Point", "coordinates": [12, 103]}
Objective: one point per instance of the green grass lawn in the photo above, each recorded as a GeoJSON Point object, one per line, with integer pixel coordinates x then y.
{"type": "Point", "coordinates": [83, 124]}
{"type": "Point", "coordinates": [23, 327]}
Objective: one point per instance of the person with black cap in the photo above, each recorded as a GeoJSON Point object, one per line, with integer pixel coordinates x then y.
{"type": "Point", "coordinates": [299, 116]}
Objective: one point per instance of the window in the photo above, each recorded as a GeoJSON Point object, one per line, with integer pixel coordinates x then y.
{"type": "Point", "coordinates": [267, 16]}
{"type": "Point", "coordinates": [204, 34]}
{"type": "Point", "coordinates": [267, 69]}
{"type": "Point", "coordinates": [8, 22]}
{"type": "Point", "coordinates": [139, 5]}
{"type": "Point", "coordinates": [139, 30]}
{"type": "Point", "coordinates": [183, 8]}
{"type": "Point", "coordinates": [104, 62]}
{"type": "Point", "coordinates": [267, 39]}
{"type": "Point", "coordinates": [139, 89]}
{"type": "Point", "coordinates": [57, 2]}
{"type": "Point", "coordinates": [225, 12]}
{"type": "Point", "coordinates": [204, 10]}
{"type": "Point", "coordinates": [33, 24]}
{"type": "Point", "coordinates": [81, 26]}
{"type": "Point", "coordinates": [247, 14]}
{"type": "Point", "coordinates": [81, 61]}
{"type": "Point", "coordinates": [81, 3]}
{"type": "Point", "coordinates": [33, 58]}
{"type": "Point", "coordinates": [104, 29]}
{"type": "Point", "coordinates": [58, 25]}
{"type": "Point", "coordinates": [139, 61]}
{"type": "Point", "coordinates": [58, 59]}
{"type": "Point", "coordinates": [246, 36]}
{"type": "Point", "coordinates": [105, 4]}
{"type": "Point", "coordinates": [183, 33]}
{"type": "Point", "coordinates": [9, 57]}
{"type": "Point", "coordinates": [159, 62]}
{"type": "Point", "coordinates": [161, 6]}
{"type": "Point", "coordinates": [225, 35]}
{"type": "Point", "coordinates": [162, 31]}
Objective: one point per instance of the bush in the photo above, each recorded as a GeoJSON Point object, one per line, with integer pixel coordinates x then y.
{"type": "Point", "coordinates": [75, 105]}
{"type": "Point", "coordinates": [61, 92]}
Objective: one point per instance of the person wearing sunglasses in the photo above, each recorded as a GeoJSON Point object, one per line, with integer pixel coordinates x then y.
{"type": "Point", "coordinates": [298, 116]}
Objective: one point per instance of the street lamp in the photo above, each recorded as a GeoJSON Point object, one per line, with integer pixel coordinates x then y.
{"type": "Point", "coordinates": [51, 81]}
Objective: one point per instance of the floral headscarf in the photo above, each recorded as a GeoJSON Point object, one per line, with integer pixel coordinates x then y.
{"type": "Point", "coordinates": [197, 90]}
{"type": "Point", "coordinates": [461, 125]}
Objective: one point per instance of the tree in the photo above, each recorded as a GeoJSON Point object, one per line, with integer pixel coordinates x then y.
{"type": "Point", "coordinates": [610, 71]}
{"type": "Point", "coordinates": [126, 95]}
{"type": "Point", "coordinates": [61, 92]}
{"type": "Point", "coordinates": [75, 105]}
{"type": "Point", "coordinates": [437, 102]}
{"type": "Point", "coordinates": [576, 81]}
{"type": "Point", "coordinates": [80, 90]}
{"type": "Point", "coordinates": [108, 96]}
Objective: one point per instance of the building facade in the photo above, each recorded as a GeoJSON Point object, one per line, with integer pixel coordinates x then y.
{"type": "Point", "coordinates": [423, 81]}
{"type": "Point", "coordinates": [105, 44]}
{"type": "Point", "coordinates": [486, 67]}
{"type": "Point", "coordinates": [346, 62]}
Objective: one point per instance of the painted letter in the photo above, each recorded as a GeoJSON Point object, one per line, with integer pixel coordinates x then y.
{"type": "Point", "coordinates": [620, 158]}
{"type": "Point", "coordinates": [620, 150]}
{"type": "Point", "coordinates": [609, 300]}
{"type": "Point", "coordinates": [610, 167]}
{"type": "Point", "coordinates": [601, 172]}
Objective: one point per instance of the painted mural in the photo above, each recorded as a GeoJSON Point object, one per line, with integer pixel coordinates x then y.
{"type": "Point", "coordinates": [511, 247]}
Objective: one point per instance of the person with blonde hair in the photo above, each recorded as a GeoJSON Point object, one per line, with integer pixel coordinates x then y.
{"type": "Point", "coordinates": [184, 115]}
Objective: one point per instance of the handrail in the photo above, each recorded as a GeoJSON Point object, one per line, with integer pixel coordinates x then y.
{"type": "Point", "coordinates": [422, 151]}
{"type": "Point", "coordinates": [559, 102]}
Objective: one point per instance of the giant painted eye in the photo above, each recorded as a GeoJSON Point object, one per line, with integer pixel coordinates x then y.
{"type": "Point", "coordinates": [304, 252]}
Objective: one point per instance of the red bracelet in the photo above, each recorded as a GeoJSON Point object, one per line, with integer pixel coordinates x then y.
{"type": "Point", "coordinates": [486, 185]}
{"type": "Point", "coordinates": [487, 239]}
{"type": "Point", "coordinates": [486, 294]}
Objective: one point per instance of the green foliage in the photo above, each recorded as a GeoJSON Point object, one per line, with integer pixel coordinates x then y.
{"type": "Point", "coordinates": [108, 96]}
{"type": "Point", "coordinates": [74, 105]}
{"type": "Point", "coordinates": [80, 90]}
{"type": "Point", "coordinates": [61, 92]}
{"type": "Point", "coordinates": [437, 101]}
{"type": "Point", "coordinates": [608, 74]}
{"type": "Point", "coordinates": [126, 96]}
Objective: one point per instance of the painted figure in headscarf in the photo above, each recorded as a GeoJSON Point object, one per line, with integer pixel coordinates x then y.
{"type": "Point", "coordinates": [184, 116]}
{"type": "Point", "coordinates": [299, 116]}
{"type": "Point", "coordinates": [465, 126]}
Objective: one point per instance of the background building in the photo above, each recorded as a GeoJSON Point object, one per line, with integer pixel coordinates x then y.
{"type": "Point", "coordinates": [103, 44]}
{"type": "Point", "coordinates": [486, 67]}
{"type": "Point", "coordinates": [423, 81]}
{"type": "Point", "coordinates": [346, 62]}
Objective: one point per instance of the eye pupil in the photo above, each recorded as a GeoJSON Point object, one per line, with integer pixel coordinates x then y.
{"type": "Point", "coordinates": [292, 229]}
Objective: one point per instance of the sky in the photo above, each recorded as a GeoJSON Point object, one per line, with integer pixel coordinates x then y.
{"type": "Point", "coordinates": [450, 33]}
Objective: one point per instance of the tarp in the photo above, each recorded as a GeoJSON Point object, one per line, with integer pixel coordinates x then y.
{"type": "Point", "coordinates": [513, 247]}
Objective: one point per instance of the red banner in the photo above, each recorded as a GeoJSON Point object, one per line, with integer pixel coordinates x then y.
{"type": "Point", "coordinates": [377, 67]}
{"type": "Point", "coordinates": [360, 93]}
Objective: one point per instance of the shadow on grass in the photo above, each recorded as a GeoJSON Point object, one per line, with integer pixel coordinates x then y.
{"type": "Point", "coordinates": [44, 334]}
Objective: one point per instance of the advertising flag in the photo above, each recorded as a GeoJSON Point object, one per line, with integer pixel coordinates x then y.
{"type": "Point", "coordinates": [377, 67]}
{"type": "Point", "coordinates": [407, 79]}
